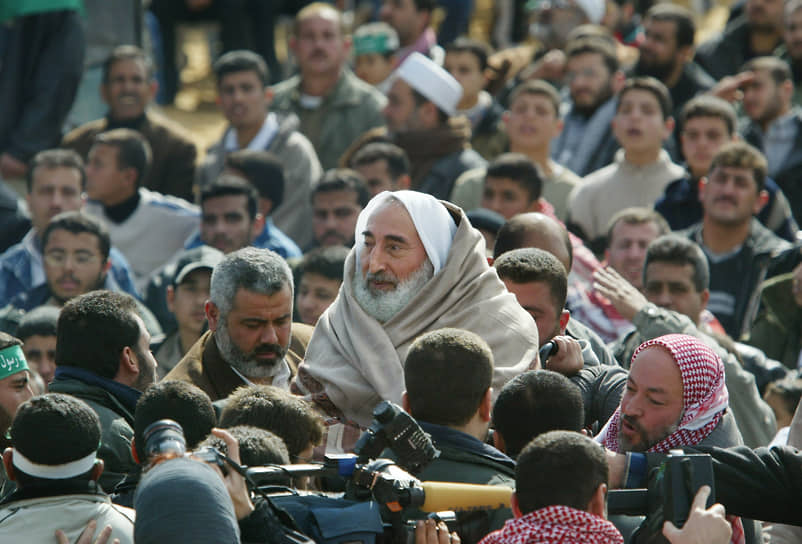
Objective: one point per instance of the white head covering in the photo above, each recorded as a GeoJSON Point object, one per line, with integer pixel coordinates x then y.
{"type": "Point", "coordinates": [594, 9]}
{"type": "Point", "coordinates": [434, 224]}
{"type": "Point", "coordinates": [432, 81]}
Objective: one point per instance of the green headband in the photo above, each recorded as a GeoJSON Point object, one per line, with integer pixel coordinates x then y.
{"type": "Point", "coordinates": [12, 360]}
{"type": "Point", "coordinates": [372, 44]}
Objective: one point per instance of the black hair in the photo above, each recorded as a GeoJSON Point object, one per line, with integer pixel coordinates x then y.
{"type": "Point", "coordinates": [343, 179]}
{"type": "Point", "coordinates": [528, 265]}
{"type": "Point", "coordinates": [327, 261]}
{"type": "Point", "coordinates": [263, 170]}
{"type": "Point", "coordinates": [231, 185]}
{"type": "Point", "coordinates": [79, 223]}
{"type": "Point", "coordinates": [241, 61]}
{"type": "Point", "coordinates": [40, 321]}
{"type": "Point", "coordinates": [397, 160]}
{"type": "Point", "coordinates": [520, 169]}
{"type": "Point", "coordinates": [55, 158]}
{"type": "Point", "coordinates": [133, 150]}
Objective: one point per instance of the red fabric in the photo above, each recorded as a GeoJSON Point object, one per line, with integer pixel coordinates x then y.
{"type": "Point", "coordinates": [556, 525]}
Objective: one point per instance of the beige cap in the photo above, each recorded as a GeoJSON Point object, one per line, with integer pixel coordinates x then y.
{"type": "Point", "coordinates": [432, 81]}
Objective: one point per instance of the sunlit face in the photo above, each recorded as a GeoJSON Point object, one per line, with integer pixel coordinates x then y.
{"type": "Point", "coordinates": [730, 195]}
{"type": "Point", "coordinates": [652, 405]}
{"type": "Point", "coordinates": [627, 249]}
{"type": "Point", "coordinates": [53, 190]}
{"type": "Point", "coordinates": [315, 293]}
{"type": "Point", "coordinates": [255, 335]}
{"type": "Point", "coordinates": [319, 45]}
{"type": "Point", "coordinates": [531, 121]}
{"type": "Point", "coordinates": [701, 138]}
{"type": "Point", "coordinates": [392, 248]}
{"type": "Point", "coordinates": [244, 99]}
{"type": "Point", "coordinates": [40, 352]}
{"type": "Point", "coordinates": [129, 89]}
{"type": "Point", "coordinates": [535, 297]}
{"type": "Point", "coordinates": [670, 285]}
{"type": "Point", "coordinates": [589, 81]}
{"type": "Point", "coordinates": [73, 264]}
{"type": "Point", "coordinates": [464, 66]}
{"type": "Point", "coordinates": [506, 197]}
{"type": "Point", "coordinates": [226, 223]}
{"type": "Point", "coordinates": [401, 111]}
{"type": "Point", "coordinates": [187, 300]}
{"type": "Point", "coordinates": [334, 215]}
{"type": "Point", "coordinates": [638, 124]}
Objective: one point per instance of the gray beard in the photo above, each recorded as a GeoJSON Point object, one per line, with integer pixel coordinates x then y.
{"type": "Point", "coordinates": [383, 305]}
{"type": "Point", "coordinates": [247, 365]}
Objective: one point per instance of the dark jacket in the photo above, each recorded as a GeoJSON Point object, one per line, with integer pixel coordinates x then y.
{"type": "Point", "coordinates": [750, 266]}
{"type": "Point", "coordinates": [789, 176]}
{"type": "Point", "coordinates": [725, 53]}
{"type": "Point", "coordinates": [172, 167]}
{"type": "Point", "coordinates": [204, 367]}
{"type": "Point", "coordinates": [464, 459]}
{"type": "Point", "coordinates": [115, 406]}
{"type": "Point", "coordinates": [778, 327]}
{"type": "Point", "coordinates": [680, 206]}
{"type": "Point", "coordinates": [489, 138]}
{"type": "Point", "coordinates": [602, 387]}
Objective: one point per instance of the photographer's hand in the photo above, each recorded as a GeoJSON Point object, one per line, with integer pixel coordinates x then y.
{"type": "Point", "coordinates": [87, 534]}
{"type": "Point", "coordinates": [704, 525]}
{"type": "Point", "coordinates": [235, 483]}
{"type": "Point", "coordinates": [568, 359]}
{"type": "Point", "coordinates": [432, 532]}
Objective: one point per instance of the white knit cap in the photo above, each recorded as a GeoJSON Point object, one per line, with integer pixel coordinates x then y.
{"type": "Point", "coordinates": [594, 9]}
{"type": "Point", "coordinates": [432, 81]}
{"type": "Point", "coordinates": [434, 224]}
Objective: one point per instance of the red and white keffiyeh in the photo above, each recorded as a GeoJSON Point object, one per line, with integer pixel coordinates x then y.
{"type": "Point", "coordinates": [704, 393]}
{"type": "Point", "coordinates": [556, 525]}
{"type": "Point", "coordinates": [704, 399]}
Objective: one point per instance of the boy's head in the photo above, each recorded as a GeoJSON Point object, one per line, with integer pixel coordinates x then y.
{"type": "Point", "coordinates": [318, 277]}
{"type": "Point", "coordinates": [643, 116]}
{"type": "Point", "coordinates": [513, 185]}
{"type": "Point", "coordinates": [707, 122]}
{"type": "Point", "coordinates": [37, 330]}
{"type": "Point", "coordinates": [374, 47]}
{"type": "Point", "coordinates": [533, 118]}
{"type": "Point", "coordinates": [466, 60]}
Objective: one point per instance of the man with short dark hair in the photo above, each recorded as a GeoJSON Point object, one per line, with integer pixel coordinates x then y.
{"type": "Point", "coordinates": [666, 53]}
{"type": "Point", "coordinates": [103, 357]}
{"type": "Point", "coordinates": [533, 403]}
{"type": "Point", "coordinates": [384, 166]}
{"type": "Point", "coordinates": [775, 124]}
{"type": "Point", "coordinates": [560, 493]}
{"type": "Point", "coordinates": [55, 183]}
{"type": "Point", "coordinates": [146, 226]}
{"type": "Point", "coordinates": [512, 185]}
{"type": "Point", "coordinates": [75, 250]}
{"type": "Point", "coordinates": [251, 338]}
{"type": "Point", "coordinates": [335, 107]}
{"type": "Point", "coordinates": [231, 219]}
{"type": "Point", "coordinates": [128, 87]}
{"type": "Point", "coordinates": [55, 464]}
{"type": "Point", "coordinates": [336, 202]}
{"type": "Point", "coordinates": [37, 330]}
{"type": "Point", "coordinates": [245, 100]}
{"type": "Point", "coordinates": [456, 413]}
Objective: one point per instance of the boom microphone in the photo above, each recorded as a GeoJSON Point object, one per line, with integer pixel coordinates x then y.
{"type": "Point", "coordinates": [441, 496]}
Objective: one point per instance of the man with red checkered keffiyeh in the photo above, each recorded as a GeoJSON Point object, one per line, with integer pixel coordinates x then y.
{"type": "Point", "coordinates": [675, 396]}
{"type": "Point", "coordinates": [560, 493]}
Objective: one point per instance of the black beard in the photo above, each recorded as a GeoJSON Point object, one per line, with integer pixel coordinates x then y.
{"type": "Point", "coordinates": [655, 70]}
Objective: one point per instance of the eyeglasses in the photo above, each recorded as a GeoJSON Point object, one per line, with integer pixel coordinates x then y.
{"type": "Point", "coordinates": [80, 258]}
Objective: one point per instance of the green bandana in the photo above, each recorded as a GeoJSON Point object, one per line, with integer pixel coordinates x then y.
{"type": "Point", "coordinates": [12, 360]}
{"type": "Point", "coordinates": [371, 44]}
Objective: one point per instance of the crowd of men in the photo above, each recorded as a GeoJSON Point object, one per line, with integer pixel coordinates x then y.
{"type": "Point", "coordinates": [563, 258]}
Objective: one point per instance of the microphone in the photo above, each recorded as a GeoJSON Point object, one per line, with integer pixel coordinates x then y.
{"type": "Point", "coordinates": [441, 496]}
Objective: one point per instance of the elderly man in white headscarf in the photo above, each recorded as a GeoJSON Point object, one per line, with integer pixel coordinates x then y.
{"type": "Point", "coordinates": [417, 265]}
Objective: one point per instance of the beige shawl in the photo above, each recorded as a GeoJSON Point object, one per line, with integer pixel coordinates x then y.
{"type": "Point", "coordinates": [359, 361]}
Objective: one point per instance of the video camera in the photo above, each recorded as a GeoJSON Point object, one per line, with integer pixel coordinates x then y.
{"type": "Point", "coordinates": [669, 496]}
{"type": "Point", "coordinates": [379, 490]}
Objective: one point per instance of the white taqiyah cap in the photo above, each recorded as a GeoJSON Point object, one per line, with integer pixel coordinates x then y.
{"type": "Point", "coordinates": [432, 81]}
{"type": "Point", "coordinates": [594, 9]}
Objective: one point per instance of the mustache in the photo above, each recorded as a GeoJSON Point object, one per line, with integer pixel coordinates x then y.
{"type": "Point", "coordinates": [726, 199]}
{"type": "Point", "coordinates": [381, 277]}
{"type": "Point", "coordinates": [265, 349]}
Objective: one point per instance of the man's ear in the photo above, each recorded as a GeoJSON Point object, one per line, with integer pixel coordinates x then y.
{"type": "Point", "coordinates": [515, 506]}
{"type": "Point", "coordinates": [598, 502]}
{"type": "Point", "coordinates": [9, 466]}
{"type": "Point", "coordinates": [212, 315]}
{"type": "Point", "coordinates": [668, 124]}
{"type": "Point", "coordinates": [565, 316]}
{"type": "Point", "coordinates": [269, 96]}
{"type": "Point", "coordinates": [134, 454]}
{"type": "Point", "coordinates": [405, 402]}
{"type": "Point", "coordinates": [486, 406]}
{"type": "Point", "coordinates": [404, 182]}
{"type": "Point", "coordinates": [762, 200]}
{"type": "Point", "coordinates": [154, 88]}
{"type": "Point", "coordinates": [705, 298]}
{"type": "Point", "coordinates": [107, 266]}
{"type": "Point", "coordinates": [498, 441]}
{"type": "Point", "coordinates": [97, 470]}
{"type": "Point", "coordinates": [170, 298]}
{"type": "Point", "coordinates": [702, 186]}
{"type": "Point", "coordinates": [257, 226]}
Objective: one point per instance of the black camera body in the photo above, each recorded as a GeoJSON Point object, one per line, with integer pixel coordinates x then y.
{"type": "Point", "coordinates": [672, 488]}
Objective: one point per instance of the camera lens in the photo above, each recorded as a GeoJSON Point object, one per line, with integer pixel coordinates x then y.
{"type": "Point", "coordinates": [164, 438]}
